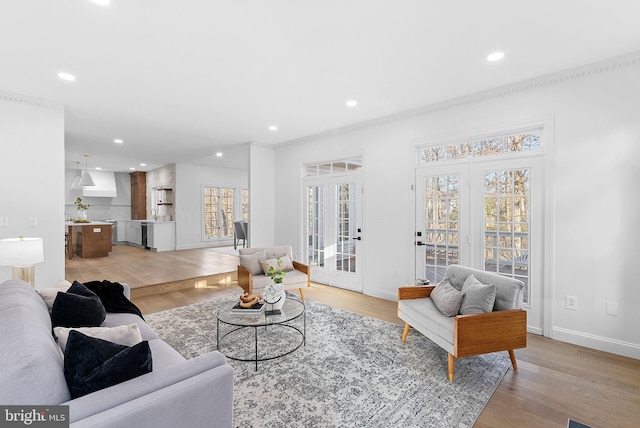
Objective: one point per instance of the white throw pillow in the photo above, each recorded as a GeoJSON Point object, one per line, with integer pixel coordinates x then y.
{"type": "Point", "coordinates": [49, 294]}
{"type": "Point", "coordinates": [127, 335]}
{"type": "Point", "coordinates": [287, 264]}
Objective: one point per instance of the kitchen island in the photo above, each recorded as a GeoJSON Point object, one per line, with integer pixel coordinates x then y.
{"type": "Point", "coordinates": [87, 240]}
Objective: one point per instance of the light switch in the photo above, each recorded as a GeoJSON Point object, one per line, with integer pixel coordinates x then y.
{"type": "Point", "coordinates": [4, 221]}
{"type": "Point", "coordinates": [32, 222]}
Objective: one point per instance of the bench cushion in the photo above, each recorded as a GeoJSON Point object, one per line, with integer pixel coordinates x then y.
{"type": "Point", "coordinates": [293, 279]}
{"type": "Point", "coordinates": [423, 315]}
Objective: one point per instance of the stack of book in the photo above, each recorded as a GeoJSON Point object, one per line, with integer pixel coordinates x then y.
{"type": "Point", "coordinates": [258, 308]}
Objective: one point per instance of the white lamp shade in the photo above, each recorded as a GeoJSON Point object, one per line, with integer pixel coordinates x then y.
{"type": "Point", "coordinates": [76, 183]}
{"type": "Point", "coordinates": [21, 251]}
{"type": "Point", "coordinates": [86, 180]}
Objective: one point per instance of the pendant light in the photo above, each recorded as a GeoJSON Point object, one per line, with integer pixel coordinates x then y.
{"type": "Point", "coordinates": [86, 179]}
{"type": "Point", "coordinates": [76, 180]}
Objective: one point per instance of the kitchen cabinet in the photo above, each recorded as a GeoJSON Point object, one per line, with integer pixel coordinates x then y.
{"type": "Point", "coordinates": [161, 235]}
{"type": "Point", "coordinates": [138, 195]}
{"type": "Point", "coordinates": [89, 240]}
{"type": "Point", "coordinates": [121, 231]}
{"type": "Point", "coordinates": [134, 233]}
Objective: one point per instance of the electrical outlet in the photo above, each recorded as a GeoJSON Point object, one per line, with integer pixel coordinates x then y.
{"type": "Point", "coordinates": [571, 302]}
{"type": "Point", "coordinates": [4, 221]}
{"type": "Point", "coordinates": [612, 308]}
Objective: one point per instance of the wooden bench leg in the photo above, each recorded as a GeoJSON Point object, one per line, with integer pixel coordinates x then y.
{"type": "Point", "coordinates": [452, 367]}
{"type": "Point", "coordinates": [302, 295]}
{"type": "Point", "coordinates": [512, 355]}
{"type": "Point", "coordinates": [406, 332]}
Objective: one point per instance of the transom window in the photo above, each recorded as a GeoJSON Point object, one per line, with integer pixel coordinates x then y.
{"type": "Point", "coordinates": [491, 146]}
{"type": "Point", "coordinates": [333, 167]}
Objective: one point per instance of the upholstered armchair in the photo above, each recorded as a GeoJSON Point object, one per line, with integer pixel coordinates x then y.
{"type": "Point", "coordinates": [498, 324]}
{"type": "Point", "coordinates": [251, 275]}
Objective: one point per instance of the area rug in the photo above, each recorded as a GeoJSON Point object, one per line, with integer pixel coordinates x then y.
{"type": "Point", "coordinates": [353, 371]}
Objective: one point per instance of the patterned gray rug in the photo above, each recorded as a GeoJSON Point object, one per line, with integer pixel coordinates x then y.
{"type": "Point", "coordinates": [353, 372]}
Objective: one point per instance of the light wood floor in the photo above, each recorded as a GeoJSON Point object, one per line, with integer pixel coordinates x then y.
{"type": "Point", "coordinates": [555, 380]}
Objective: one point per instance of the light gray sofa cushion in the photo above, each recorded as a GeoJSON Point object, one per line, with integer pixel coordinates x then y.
{"type": "Point", "coordinates": [447, 299]}
{"type": "Point", "coordinates": [508, 296]}
{"type": "Point", "coordinates": [279, 251]}
{"type": "Point", "coordinates": [478, 297]}
{"type": "Point", "coordinates": [292, 280]}
{"type": "Point", "coordinates": [509, 291]}
{"type": "Point", "coordinates": [154, 382]}
{"type": "Point", "coordinates": [423, 315]}
{"type": "Point", "coordinates": [252, 261]}
{"type": "Point", "coordinates": [32, 363]}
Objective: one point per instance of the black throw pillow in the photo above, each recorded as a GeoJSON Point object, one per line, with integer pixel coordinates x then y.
{"type": "Point", "coordinates": [91, 364]}
{"type": "Point", "coordinates": [78, 307]}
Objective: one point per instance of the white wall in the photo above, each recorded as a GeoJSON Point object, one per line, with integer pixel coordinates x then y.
{"type": "Point", "coordinates": [594, 197]}
{"type": "Point", "coordinates": [262, 196]}
{"type": "Point", "coordinates": [32, 179]}
{"type": "Point", "coordinates": [188, 200]}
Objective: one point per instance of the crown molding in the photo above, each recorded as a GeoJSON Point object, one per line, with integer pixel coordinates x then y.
{"type": "Point", "coordinates": [36, 102]}
{"type": "Point", "coordinates": [574, 73]}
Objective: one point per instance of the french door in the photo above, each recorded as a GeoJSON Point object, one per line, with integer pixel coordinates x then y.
{"type": "Point", "coordinates": [333, 231]}
{"type": "Point", "coordinates": [487, 215]}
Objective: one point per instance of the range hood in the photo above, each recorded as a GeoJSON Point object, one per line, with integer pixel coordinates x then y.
{"type": "Point", "coordinates": [105, 185]}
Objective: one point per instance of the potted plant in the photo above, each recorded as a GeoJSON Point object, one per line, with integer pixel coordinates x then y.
{"type": "Point", "coordinates": [274, 293]}
{"type": "Point", "coordinates": [82, 210]}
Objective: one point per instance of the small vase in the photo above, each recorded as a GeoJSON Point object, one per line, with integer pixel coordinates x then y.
{"type": "Point", "coordinates": [82, 215]}
{"type": "Point", "coordinates": [274, 296]}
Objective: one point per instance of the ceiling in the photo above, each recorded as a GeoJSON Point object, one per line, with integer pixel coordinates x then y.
{"type": "Point", "coordinates": [179, 81]}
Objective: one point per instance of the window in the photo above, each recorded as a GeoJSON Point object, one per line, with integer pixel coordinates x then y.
{"type": "Point", "coordinates": [334, 167]}
{"type": "Point", "coordinates": [245, 205]}
{"type": "Point", "coordinates": [315, 225]}
{"type": "Point", "coordinates": [491, 146]}
{"type": "Point", "coordinates": [218, 214]}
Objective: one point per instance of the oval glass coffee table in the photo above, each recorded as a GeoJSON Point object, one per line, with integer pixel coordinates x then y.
{"type": "Point", "coordinates": [279, 334]}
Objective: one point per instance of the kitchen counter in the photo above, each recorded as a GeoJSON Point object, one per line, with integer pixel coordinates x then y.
{"type": "Point", "coordinates": [90, 223]}
{"type": "Point", "coordinates": [88, 240]}
{"type": "Point", "coordinates": [152, 221]}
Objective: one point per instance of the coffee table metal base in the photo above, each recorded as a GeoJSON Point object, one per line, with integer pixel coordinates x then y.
{"type": "Point", "coordinates": [221, 339]}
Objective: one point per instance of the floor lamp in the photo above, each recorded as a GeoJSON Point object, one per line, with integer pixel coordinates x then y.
{"type": "Point", "coordinates": [22, 253]}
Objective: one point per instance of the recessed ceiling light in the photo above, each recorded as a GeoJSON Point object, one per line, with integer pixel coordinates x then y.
{"type": "Point", "coordinates": [98, 168]}
{"type": "Point", "coordinates": [496, 56]}
{"type": "Point", "coordinates": [67, 76]}
{"type": "Point", "coordinates": [102, 2]}
{"type": "Point", "coordinates": [143, 164]}
{"type": "Point", "coordinates": [118, 141]}
{"type": "Point", "coordinates": [219, 154]}
{"type": "Point", "coordinates": [273, 128]}
{"type": "Point", "coordinates": [132, 169]}
{"type": "Point", "coordinates": [352, 103]}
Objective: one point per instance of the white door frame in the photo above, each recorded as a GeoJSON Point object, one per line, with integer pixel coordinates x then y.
{"type": "Point", "coordinates": [329, 274]}
{"type": "Point", "coordinates": [471, 226]}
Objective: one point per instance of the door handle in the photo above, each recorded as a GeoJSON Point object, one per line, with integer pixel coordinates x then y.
{"type": "Point", "coordinates": [419, 243]}
{"type": "Point", "coordinates": [359, 238]}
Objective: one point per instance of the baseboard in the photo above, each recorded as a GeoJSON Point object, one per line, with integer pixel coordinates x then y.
{"type": "Point", "coordinates": [204, 245]}
{"type": "Point", "coordinates": [534, 330]}
{"type": "Point", "coordinates": [381, 294]}
{"type": "Point", "coordinates": [618, 347]}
